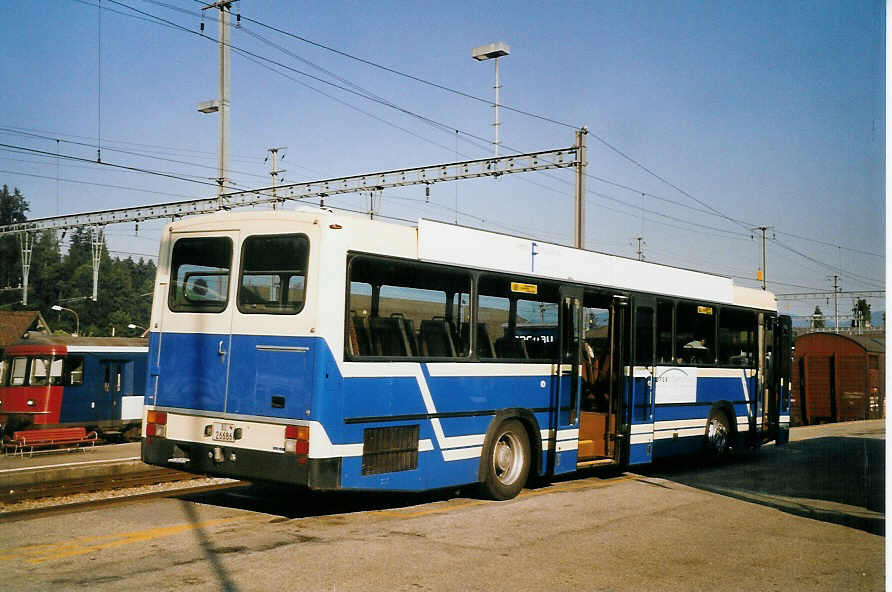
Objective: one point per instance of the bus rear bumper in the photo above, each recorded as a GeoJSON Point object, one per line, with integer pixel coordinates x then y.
{"type": "Point", "coordinates": [239, 463]}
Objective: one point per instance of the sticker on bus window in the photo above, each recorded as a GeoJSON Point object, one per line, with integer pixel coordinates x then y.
{"type": "Point", "coordinates": [704, 310]}
{"type": "Point", "coordinates": [524, 288]}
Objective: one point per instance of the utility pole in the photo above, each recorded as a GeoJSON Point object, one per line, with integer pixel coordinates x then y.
{"type": "Point", "coordinates": [273, 171]}
{"type": "Point", "coordinates": [26, 242]}
{"type": "Point", "coordinates": [221, 105]}
{"type": "Point", "coordinates": [763, 270]}
{"type": "Point", "coordinates": [579, 222]}
{"type": "Point", "coordinates": [836, 300]}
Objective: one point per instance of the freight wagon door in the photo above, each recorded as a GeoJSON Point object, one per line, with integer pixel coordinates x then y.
{"type": "Point", "coordinates": [191, 356]}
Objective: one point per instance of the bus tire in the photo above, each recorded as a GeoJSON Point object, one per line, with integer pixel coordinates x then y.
{"type": "Point", "coordinates": [718, 434]}
{"type": "Point", "coordinates": [507, 461]}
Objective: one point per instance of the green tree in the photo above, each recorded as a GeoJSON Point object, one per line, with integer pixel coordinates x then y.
{"type": "Point", "coordinates": [12, 211]}
{"type": "Point", "coordinates": [861, 314]}
{"type": "Point", "coordinates": [817, 318]}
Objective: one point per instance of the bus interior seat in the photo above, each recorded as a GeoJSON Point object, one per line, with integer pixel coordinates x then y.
{"type": "Point", "coordinates": [389, 336]}
{"type": "Point", "coordinates": [409, 329]}
{"type": "Point", "coordinates": [436, 338]}
{"type": "Point", "coordinates": [359, 328]}
{"type": "Point", "coordinates": [510, 347]}
{"type": "Point", "coordinates": [485, 348]}
{"type": "Point", "coordinates": [536, 348]}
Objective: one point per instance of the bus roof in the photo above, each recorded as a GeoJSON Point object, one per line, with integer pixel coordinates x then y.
{"type": "Point", "coordinates": [440, 242]}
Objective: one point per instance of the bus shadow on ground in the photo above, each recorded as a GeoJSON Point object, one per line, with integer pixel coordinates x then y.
{"type": "Point", "coordinates": [833, 479]}
{"type": "Point", "coordinates": [289, 502]}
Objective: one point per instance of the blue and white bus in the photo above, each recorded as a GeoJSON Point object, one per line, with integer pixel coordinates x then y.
{"type": "Point", "coordinates": [330, 351]}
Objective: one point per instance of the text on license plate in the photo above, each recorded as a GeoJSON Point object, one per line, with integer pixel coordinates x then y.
{"type": "Point", "coordinates": [223, 432]}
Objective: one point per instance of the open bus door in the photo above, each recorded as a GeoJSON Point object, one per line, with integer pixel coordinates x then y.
{"type": "Point", "coordinates": [565, 415]}
{"type": "Point", "coordinates": [775, 401]}
{"type": "Point", "coordinates": [640, 371]}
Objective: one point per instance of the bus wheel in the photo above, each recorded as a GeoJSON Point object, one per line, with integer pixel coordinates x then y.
{"type": "Point", "coordinates": [508, 462]}
{"type": "Point", "coordinates": [718, 434]}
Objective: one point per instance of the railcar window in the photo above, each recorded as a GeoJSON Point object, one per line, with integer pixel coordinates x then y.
{"type": "Point", "coordinates": [56, 372]}
{"type": "Point", "coordinates": [404, 309]}
{"type": "Point", "coordinates": [200, 274]}
{"type": "Point", "coordinates": [17, 372]}
{"type": "Point", "coordinates": [737, 338]}
{"type": "Point", "coordinates": [40, 371]}
{"type": "Point", "coordinates": [520, 317]}
{"type": "Point", "coordinates": [694, 333]}
{"type": "Point", "coordinates": [274, 269]}
{"type": "Point", "coordinates": [4, 371]}
{"type": "Point", "coordinates": [74, 371]}
{"type": "Point", "coordinates": [665, 312]}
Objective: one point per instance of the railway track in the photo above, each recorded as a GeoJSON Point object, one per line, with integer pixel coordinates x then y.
{"type": "Point", "coordinates": [93, 484]}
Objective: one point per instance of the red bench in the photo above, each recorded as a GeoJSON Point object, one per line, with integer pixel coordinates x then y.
{"type": "Point", "coordinates": [69, 438]}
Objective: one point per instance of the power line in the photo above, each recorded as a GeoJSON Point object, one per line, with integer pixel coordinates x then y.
{"type": "Point", "coordinates": [130, 152]}
{"type": "Point", "coordinates": [110, 186]}
{"type": "Point", "coordinates": [108, 164]}
{"type": "Point", "coordinates": [370, 96]}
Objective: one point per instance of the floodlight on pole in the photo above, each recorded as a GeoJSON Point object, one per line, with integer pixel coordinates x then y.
{"type": "Point", "coordinates": [77, 320]}
{"type": "Point", "coordinates": [493, 51]}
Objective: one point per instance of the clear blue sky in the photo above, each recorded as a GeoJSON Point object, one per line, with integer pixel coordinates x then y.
{"type": "Point", "coordinates": [770, 112]}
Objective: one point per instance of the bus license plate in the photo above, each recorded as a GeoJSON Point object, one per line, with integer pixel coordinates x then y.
{"type": "Point", "coordinates": [223, 432]}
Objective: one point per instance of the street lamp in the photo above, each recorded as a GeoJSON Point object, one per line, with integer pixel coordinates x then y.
{"type": "Point", "coordinates": [77, 320]}
{"type": "Point", "coordinates": [132, 326]}
{"type": "Point", "coordinates": [488, 52]}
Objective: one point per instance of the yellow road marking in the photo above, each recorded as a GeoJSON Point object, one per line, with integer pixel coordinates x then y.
{"type": "Point", "coordinates": [35, 554]}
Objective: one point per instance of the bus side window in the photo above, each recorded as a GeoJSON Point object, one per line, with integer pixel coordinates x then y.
{"type": "Point", "coordinates": [400, 309]}
{"type": "Point", "coordinates": [665, 314]}
{"type": "Point", "coordinates": [520, 316]}
{"type": "Point", "coordinates": [737, 338]}
{"type": "Point", "coordinates": [695, 334]}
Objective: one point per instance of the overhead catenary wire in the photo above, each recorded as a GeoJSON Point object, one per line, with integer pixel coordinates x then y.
{"type": "Point", "coordinates": [364, 93]}
{"type": "Point", "coordinates": [128, 152]}
{"type": "Point", "coordinates": [154, 19]}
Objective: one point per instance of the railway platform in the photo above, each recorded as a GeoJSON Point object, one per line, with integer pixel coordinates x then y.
{"type": "Point", "coordinates": [60, 465]}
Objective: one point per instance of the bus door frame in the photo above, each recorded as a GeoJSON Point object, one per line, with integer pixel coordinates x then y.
{"type": "Point", "coordinates": [641, 417]}
{"type": "Point", "coordinates": [619, 356]}
{"type": "Point", "coordinates": [775, 398]}
{"type": "Point", "coordinates": [212, 349]}
{"type": "Point", "coordinates": [568, 383]}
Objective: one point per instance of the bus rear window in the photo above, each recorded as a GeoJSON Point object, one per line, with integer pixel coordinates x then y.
{"type": "Point", "coordinates": [199, 270]}
{"type": "Point", "coordinates": [274, 270]}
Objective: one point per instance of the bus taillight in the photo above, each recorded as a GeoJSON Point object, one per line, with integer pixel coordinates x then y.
{"type": "Point", "coordinates": [297, 441]}
{"type": "Point", "coordinates": [156, 424]}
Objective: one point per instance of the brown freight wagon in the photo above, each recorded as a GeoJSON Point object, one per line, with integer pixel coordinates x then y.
{"type": "Point", "coordinates": [837, 378]}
